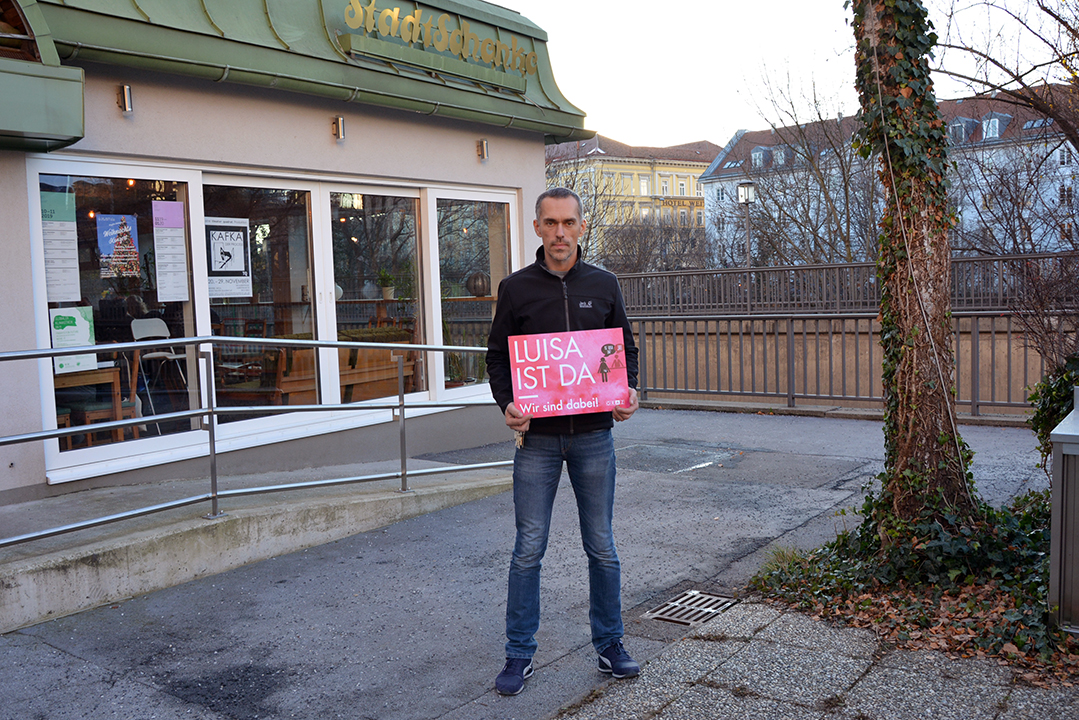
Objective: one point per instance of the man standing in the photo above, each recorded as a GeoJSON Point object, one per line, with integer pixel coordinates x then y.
{"type": "Point", "coordinates": [560, 293]}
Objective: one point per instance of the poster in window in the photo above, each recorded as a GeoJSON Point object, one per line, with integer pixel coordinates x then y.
{"type": "Point", "coordinates": [72, 327]}
{"type": "Point", "coordinates": [170, 253]}
{"type": "Point", "coordinates": [228, 257]}
{"type": "Point", "coordinates": [59, 233]}
{"type": "Point", "coordinates": [118, 245]}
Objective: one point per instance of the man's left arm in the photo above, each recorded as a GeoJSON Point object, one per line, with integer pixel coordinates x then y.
{"type": "Point", "coordinates": [624, 412]}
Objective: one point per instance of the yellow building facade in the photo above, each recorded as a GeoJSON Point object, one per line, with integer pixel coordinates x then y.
{"type": "Point", "coordinates": [622, 184]}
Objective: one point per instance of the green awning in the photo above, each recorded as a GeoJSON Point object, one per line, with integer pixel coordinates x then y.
{"type": "Point", "coordinates": [464, 59]}
{"type": "Point", "coordinates": [41, 107]}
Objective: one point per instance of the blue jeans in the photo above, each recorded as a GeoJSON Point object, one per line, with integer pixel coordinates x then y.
{"type": "Point", "coordinates": [537, 467]}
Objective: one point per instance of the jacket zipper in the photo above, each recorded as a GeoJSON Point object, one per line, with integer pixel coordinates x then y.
{"type": "Point", "coordinates": [565, 305]}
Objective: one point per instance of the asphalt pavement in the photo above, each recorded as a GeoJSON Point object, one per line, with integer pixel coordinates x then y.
{"type": "Point", "coordinates": [406, 621]}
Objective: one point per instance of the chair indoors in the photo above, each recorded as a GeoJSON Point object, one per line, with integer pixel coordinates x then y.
{"type": "Point", "coordinates": [88, 413]}
{"type": "Point", "coordinates": [63, 420]}
{"type": "Point", "coordinates": [155, 329]}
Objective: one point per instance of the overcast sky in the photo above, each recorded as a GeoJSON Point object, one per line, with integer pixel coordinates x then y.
{"type": "Point", "coordinates": [677, 71]}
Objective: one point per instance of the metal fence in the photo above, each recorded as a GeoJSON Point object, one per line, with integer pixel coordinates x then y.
{"type": "Point", "coordinates": [978, 283]}
{"type": "Point", "coordinates": [833, 358]}
{"type": "Point", "coordinates": [206, 419]}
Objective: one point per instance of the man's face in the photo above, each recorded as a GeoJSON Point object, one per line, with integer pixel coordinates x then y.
{"type": "Point", "coordinates": [559, 226]}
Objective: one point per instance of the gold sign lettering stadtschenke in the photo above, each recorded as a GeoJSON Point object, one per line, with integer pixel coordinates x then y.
{"type": "Point", "coordinates": [437, 33]}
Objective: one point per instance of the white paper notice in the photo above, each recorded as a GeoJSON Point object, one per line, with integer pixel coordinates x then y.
{"type": "Point", "coordinates": [61, 240]}
{"type": "Point", "coordinates": [170, 254]}
{"type": "Point", "coordinates": [73, 327]}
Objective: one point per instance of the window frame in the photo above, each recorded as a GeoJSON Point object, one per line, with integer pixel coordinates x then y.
{"type": "Point", "coordinates": [159, 450]}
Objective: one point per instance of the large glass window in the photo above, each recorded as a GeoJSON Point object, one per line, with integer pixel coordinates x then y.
{"type": "Point", "coordinates": [473, 252]}
{"type": "Point", "coordinates": [117, 270]}
{"type": "Point", "coordinates": [258, 242]}
{"type": "Point", "coordinates": [378, 291]}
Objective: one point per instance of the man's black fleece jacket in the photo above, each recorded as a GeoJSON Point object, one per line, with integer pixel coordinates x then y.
{"type": "Point", "coordinates": [534, 300]}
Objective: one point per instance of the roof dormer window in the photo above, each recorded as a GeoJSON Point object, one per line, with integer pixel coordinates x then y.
{"type": "Point", "coordinates": [994, 124]}
{"type": "Point", "coordinates": [957, 132]}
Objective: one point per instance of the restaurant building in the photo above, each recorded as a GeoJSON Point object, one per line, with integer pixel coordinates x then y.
{"type": "Point", "coordinates": [298, 169]}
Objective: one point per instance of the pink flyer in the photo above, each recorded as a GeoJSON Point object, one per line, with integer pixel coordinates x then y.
{"type": "Point", "coordinates": [569, 373]}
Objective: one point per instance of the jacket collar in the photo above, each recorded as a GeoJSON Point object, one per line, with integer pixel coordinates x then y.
{"type": "Point", "coordinates": [542, 261]}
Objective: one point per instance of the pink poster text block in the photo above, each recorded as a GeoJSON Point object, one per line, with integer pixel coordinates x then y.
{"type": "Point", "coordinates": [569, 373]}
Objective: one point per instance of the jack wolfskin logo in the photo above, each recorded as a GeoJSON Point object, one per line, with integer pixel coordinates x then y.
{"type": "Point", "coordinates": [586, 303]}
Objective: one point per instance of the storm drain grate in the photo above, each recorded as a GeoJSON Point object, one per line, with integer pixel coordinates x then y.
{"type": "Point", "coordinates": [692, 608]}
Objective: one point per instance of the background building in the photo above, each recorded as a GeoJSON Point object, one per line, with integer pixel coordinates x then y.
{"type": "Point", "coordinates": [645, 205]}
{"type": "Point", "coordinates": [818, 201]}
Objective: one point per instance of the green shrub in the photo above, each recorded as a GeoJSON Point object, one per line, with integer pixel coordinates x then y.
{"type": "Point", "coordinates": [1052, 399]}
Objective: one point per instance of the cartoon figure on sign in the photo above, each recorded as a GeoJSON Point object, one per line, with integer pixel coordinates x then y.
{"type": "Point", "coordinates": [609, 350]}
{"type": "Point", "coordinates": [226, 257]}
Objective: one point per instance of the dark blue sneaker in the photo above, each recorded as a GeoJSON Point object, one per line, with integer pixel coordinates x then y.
{"type": "Point", "coordinates": [615, 660]}
{"type": "Point", "coordinates": [512, 678]}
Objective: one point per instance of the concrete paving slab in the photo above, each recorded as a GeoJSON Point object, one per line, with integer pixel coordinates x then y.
{"type": "Point", "coordinates": [887, 693]}
{"type": "Point", "coordinates": [932, 663]}
{"type": "Point", "coordinates": [723, 704]}
{"type": "Point", "coordinates": [789, 674]}
{"type": "Point", "coordinates": [743, 621]}
{"type": "Point", "coordinates": [804, 632]}
{"type": "Point", "coordinates": [1025, 703]}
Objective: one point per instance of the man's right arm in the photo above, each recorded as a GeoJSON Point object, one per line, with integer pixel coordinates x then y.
{"type": "Point", "coordinates": [498, 357]}
{"type": "Point", "coordinates": [498, 362]}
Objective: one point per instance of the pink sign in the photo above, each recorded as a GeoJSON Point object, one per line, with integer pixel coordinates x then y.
{"type": "Point", "coordinates": [569, 373]}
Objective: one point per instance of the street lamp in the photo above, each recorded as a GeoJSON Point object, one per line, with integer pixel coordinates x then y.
{"type": "Point", "coordinates": [747, 195]}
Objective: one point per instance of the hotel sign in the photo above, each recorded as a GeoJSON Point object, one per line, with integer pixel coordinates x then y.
{"type": "Point", "coordinates": [682, 202]}
{"type": "Point", "coordinates": [434, 40]}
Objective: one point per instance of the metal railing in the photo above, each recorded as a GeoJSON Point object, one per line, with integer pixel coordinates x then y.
{"type": "Point", "coordinates": [208, 417]}
{"type": "Point", "coordinates": [977, 283]}
{"type": "Point", "coordinates": [834, 358]}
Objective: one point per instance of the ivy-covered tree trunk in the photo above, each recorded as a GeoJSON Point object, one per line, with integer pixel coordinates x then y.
{"type": "Point", "coordinates": [926, 462]}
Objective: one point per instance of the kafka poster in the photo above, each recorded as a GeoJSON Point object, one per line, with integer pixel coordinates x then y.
{"type": "Point", "coordinates": [569, 373]}
{"type": "Point", "coordinates": [228, 257]}
{"type": "Point", "coordinates": [118, 245]}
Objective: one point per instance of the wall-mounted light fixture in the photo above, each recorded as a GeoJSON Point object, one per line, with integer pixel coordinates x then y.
{"type": "Point", "coordinates": [481, 149]}
{"type": "Point", "coordinates": [123, 99]}
{"type": "Point", "coordinates": [339, 127]}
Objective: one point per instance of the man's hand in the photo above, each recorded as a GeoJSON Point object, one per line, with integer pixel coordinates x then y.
{"type": "Point", "coordinates": [624, 412]}
{"type": "Point", "coordinates": [518, 421]}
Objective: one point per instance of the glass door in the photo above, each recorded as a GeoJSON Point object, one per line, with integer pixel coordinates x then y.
{"type": "Point", "coordinates": [378, 291]}
{"type": "Point", "coordinates": [258, 259]}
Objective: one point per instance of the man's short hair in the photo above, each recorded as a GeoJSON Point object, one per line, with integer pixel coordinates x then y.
{"type": "Point", "coordinates": [558, 193]}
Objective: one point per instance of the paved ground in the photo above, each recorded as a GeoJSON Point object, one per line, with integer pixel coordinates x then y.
{"type": "Point", "coordinates": [407, 621]}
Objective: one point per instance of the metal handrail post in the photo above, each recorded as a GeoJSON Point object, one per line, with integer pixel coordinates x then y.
{"type": "Point", "coordinates": [975, 371]}
{"type": "Point", "coordinates": [790, 362]}
{"type": "Point", "coordinates": [401, 419]}
{"type": "Point", "coordinates": [211, 427]}
{"type": "Point", "coordinates": [642, 354]}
